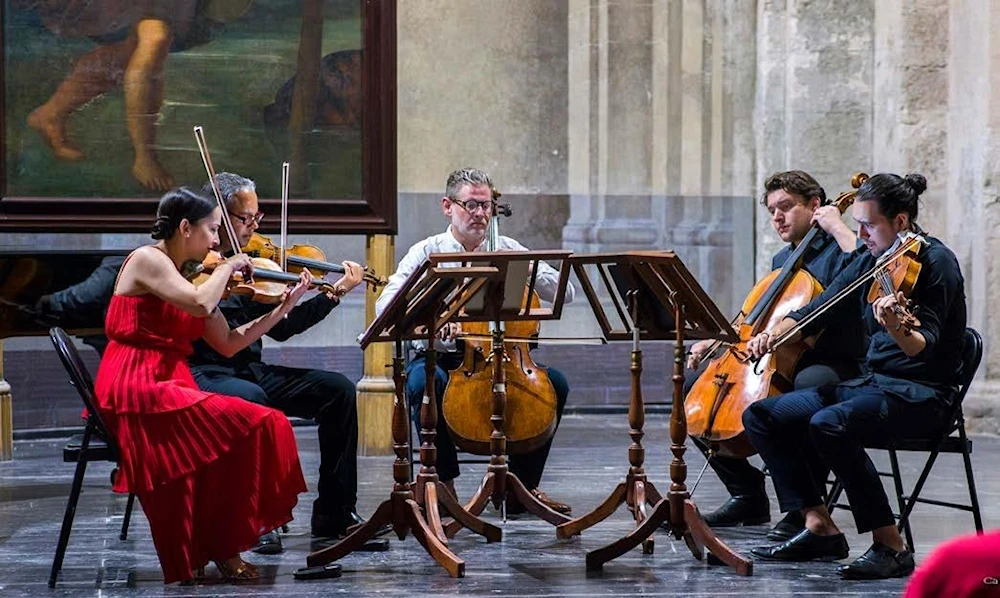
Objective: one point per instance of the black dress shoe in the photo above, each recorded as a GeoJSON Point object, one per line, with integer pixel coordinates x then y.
{"type": "Point", "coordinates": [788, 527]}
{"type": "Point", "coordinates": [327, 526]}
{"type": "Point", "coordinates": [740, 510]}
{"type": "Point", "coordinates": [269, 543]}
{"type": "Point", "coordinates": [806, 546]}
{"type": "Point", "coordinates": [880, 562]}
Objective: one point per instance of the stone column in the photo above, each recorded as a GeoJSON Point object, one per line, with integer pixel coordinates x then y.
{"type": "Point", "coordinates": [814, 96]}
{"type": "Point", "coordinates": [656, 158]}
{"type": "Point", "coordinates": [910, 102]}
{"type": "Point", "coordinates": [610, 68]}
{"type": "Point", "coordinates": [969, 213]}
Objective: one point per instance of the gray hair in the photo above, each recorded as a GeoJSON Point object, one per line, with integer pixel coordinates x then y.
{"type": "Point", "coordinates": [467, 176]}
{"type": "Point", "coordinates": [229, 185]}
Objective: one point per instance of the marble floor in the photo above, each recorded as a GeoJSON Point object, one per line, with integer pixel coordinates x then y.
{"type": "Point", "coordinates": [587, 460]}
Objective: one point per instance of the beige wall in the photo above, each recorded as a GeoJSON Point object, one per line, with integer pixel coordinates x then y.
{"type": "Point", "coordinates": [635, 123]}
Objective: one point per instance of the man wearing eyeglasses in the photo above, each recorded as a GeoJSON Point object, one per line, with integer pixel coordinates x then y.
{"type": "Point", "coordinates": [468, 206]}
{"type": "Point", "coordinates": [327, 397]}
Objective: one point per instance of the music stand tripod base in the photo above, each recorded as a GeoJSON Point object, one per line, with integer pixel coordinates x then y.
{"type": "Point", "coordinates": [665, 301]}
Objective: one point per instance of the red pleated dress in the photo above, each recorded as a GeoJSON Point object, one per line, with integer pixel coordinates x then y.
{"type": "Point", "coordinates": [212, 472]}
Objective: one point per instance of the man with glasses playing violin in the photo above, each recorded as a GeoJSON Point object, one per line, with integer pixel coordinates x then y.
{"type": "Point", "coordinates": [327, 397]}
{"type": "Point", "coordinates": [796, 203]}
{"type": "Point", "coordinates": [909, 375]}
{"type": "Point", "coordinates": [468, 206]}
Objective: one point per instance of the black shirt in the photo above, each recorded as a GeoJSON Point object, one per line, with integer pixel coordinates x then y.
{"type": "Point", "coordinates": [843, 344]}
{"type": "Point", "coordinates": [938, 301]}
{"type": "Point", "coordinates": [239, 310]}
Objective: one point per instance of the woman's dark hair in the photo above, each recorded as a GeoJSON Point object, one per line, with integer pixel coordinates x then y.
{"type": "Point", "coordinates": [894, 194]}
{"type": "Point", "coordinates": [176, 205]}
{"type": "Point", "coordinates": [795, 182]}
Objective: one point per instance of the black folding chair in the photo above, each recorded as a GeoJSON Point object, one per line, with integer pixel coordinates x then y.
{"type": "Point", "coordinates": [95, 444]}
{"type": "Point", "coordinates": [946, 442]}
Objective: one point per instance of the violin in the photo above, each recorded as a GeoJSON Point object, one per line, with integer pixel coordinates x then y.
{"type": "Point", "coordinates": [266, 284]}
{"type": "Point", "coordinates": [300, 257]}
{"type": "Point", "coordinates": [894, 273]}
{"type": "Point", "coordinates": [733, 381]}
{"type": "Point", "coordinates": [898, 276]}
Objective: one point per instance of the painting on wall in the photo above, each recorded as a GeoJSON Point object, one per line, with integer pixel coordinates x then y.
{"type": "Point", "coordinates": [100, 98]}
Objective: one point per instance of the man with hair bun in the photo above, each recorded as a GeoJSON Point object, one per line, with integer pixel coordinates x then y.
{"type": "Point", "coordinates": [909, 373]}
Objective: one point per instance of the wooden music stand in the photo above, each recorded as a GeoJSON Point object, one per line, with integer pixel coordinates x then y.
{"type": "Point", "coordinates": [487, 300]}
{"type": "Point", "coordinates": [664, 303]}
{"type": "Point", "coordinates": [417, 311]}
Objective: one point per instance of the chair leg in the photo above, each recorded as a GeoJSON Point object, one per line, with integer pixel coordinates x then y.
{"type": "Point", "coordinates": [67, 524]}
{"type": "Point", "coordinates": [897, 482]}
{"type": "Point", "coordinates": [973, 495]}
{"type": "Point", "coordinates": [128, 516]}
{"type": "Point", "coordinates": [904, 517]}
{"type": "Point", "coordinates": [834, 495]}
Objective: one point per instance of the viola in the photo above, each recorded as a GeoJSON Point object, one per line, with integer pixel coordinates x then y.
{"type": "Point", "coordinates": [733, 381]}
{"type": "Point", "coordinates": [899, 275]}
{"type": "Point", "coordinates": [530, 412]}
{"type": "Point", "coordinates": [300, 257]}
{"type": "Point", "coordinates": [894, 273]}
{"type": "Point", "coordinates": [267, 283]}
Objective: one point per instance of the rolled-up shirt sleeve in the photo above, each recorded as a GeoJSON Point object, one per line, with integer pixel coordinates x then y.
{"type": "Point", "coordinates": [407, 266]}
{"type": "Point", "coordinates": [547, 281]}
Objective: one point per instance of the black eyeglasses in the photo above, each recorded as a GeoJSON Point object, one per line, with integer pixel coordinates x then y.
{"type": "Point", "coordinates": [246, 220]}
{"type": "Point", "coordinates": [471, 205]}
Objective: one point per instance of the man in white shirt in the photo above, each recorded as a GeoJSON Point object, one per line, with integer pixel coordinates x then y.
{"type": "Point", "coordinates": [468, 205]}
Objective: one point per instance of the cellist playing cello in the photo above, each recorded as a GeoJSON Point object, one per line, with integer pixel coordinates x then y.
{"type": "Point", "coordinates": [468, 205]}
{"type": "Point", "coordinates": [916, 336]}
{"type": "Point", "coordinates": [796, 203]}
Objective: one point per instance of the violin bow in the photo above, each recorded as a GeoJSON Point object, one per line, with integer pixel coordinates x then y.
{"type": "Point", "coordinates": [909, 243]}
{"type": "Point", "coordinates": [284, 215]}
{"type": "Point", "coordinates": [199, 136]}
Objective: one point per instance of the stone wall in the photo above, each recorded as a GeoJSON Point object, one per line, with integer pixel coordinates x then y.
{"type": "Point", "coordinates": [617, 125]}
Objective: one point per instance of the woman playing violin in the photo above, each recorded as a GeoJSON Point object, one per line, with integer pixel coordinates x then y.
{"type": "Point", "coordinates": [211, 471]}
{"type": "Point", "coordinates": [328, 397]}
{"type": "Point", "coordinates": [911, 366]}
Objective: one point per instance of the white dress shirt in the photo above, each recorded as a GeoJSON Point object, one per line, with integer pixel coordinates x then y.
{"type": "Point", "coordinates": [545, 284]}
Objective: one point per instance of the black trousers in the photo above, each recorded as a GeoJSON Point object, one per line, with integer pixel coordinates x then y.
{"type": "Point", "coordinates": [528, 467]}
{"type": "Point", "coordinates": [808, 430]}
{"type": "Point", "coordinates": [327, 397]}
{"type": "Point", "coordinates": [737, 474]}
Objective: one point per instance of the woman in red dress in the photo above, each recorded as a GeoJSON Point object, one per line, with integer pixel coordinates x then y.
{"type": "Point", "coordinates": [212, 472]}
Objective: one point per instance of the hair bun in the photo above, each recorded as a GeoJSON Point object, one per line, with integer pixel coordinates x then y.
{"type": "Point", "coordinates": [161, 228]}
{"type": "Point", "coordinates": [917, 182]}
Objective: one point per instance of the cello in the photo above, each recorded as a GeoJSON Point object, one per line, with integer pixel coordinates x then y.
{"type": "Point", "coordinates": [530, 412]}
{"type": "Point", "coordinates": [733, 381]}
